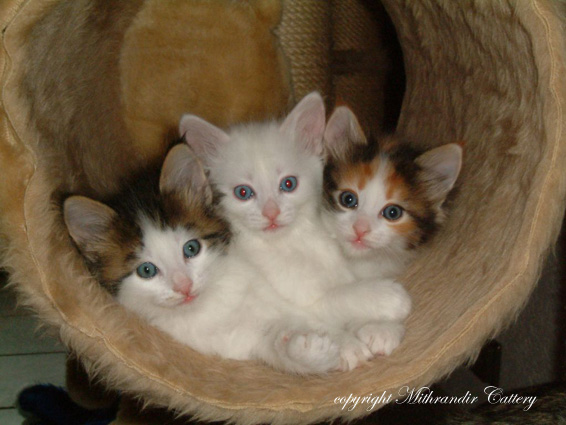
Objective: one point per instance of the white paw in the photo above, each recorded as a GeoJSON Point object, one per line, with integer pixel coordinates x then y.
{"type": "Point", "coordinates": [381, 337]}
{"type": "Point", "coordinates": [316, 352]}
{"type": "Point", "coordinates": [353, 352]}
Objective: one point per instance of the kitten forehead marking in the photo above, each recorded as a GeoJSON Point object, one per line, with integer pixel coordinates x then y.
{"type": "Point", "coordinates": [164, 246]}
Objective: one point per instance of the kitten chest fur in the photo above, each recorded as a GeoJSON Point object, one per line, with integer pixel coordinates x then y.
{"type": "Point", "coordinates": [301, 265]}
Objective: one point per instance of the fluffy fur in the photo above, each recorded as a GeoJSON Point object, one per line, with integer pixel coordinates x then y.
{"type": "Point", "coordinates": [270, 176]}
{"type": "Point", "coordinates": [383, 198]}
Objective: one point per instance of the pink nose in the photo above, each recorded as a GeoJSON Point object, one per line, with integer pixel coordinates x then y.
{"type": "Point", "coordinates": [361, 227]}
{"type": "Point", "coordinates": [271, 210]}
{"type": "Point", "coordinates": [182, 284]}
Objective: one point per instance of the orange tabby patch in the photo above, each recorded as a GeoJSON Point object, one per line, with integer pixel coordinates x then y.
{"type": "Point", "coordinates": [408, 229]}
{"type": "Point", "coordinates": [357, 175]}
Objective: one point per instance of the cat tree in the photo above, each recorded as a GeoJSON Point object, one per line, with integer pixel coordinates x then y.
{"type": "Point", "coordinates": [489, 74]}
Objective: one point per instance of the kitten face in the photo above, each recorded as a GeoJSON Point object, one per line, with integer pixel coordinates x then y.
{"type": "Point", "coordinates": [387, 197]}
{"type": "Point", "coordinates": [270, 174]}
{"type": "Point", "coordinates": [376, 208]}
{"type": "Point", "coordinates": [153, 245]}
{"type": "Point", "coordinates": [267, 182]}
{"type": "Point", "coordinates": [168, 269]}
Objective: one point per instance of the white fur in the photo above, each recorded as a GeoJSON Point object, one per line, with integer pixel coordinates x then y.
{"type": "Point", "coordinates": [305, 277]}
{"type": "Point", "coordinates": [155, 297]}
{"type": "Point", "coordinates": [232, 315]}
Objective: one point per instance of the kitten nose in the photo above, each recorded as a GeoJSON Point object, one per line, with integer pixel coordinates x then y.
{"type": "Point", "coordinates": [361, 227]}
{"type": "Point", "coordinates": [182, 284]}
{"type": "Point", "coordinates": [270, 210]}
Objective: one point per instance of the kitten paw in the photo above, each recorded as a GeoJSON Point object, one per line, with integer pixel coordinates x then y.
{"type": "Point", "coordinates": [381, 338]}
{"type": "Point", "coordinates": [317, 353]}
{"type": "Point", "coordinates": [353, 352]}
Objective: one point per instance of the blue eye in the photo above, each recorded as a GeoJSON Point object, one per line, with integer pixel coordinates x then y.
{"type": "Point", "coordinates": [191, 248]}
{"type": "Point", "coordinates": [146, 270]}
{"type": "Point", "coordinates": [392, 212]}
{"type": "Point", "coordinates": [243, 192]}
{"type": "Point", "coordinates": [348, 199]}
{"type": "Point", "coordinates": [288, 184]}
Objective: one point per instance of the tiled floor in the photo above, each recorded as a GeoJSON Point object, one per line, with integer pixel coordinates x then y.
{"type": "Point", "coordinates": [26, 356]}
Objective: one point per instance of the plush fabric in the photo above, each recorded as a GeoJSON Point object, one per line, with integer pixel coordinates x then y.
{"type": "Point", "coordinates": [489, 74]}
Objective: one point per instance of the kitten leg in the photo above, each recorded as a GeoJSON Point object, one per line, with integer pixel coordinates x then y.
{"type": "Point", "coordinates": [317, 352]}
{"type": "Point", "coordinates": [364, 301]}
{"type": "Point", "coordinates": [381, 337]}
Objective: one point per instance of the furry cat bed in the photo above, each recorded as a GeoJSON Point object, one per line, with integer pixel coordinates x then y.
{"type": "Point", "coordinates": [486, 73]}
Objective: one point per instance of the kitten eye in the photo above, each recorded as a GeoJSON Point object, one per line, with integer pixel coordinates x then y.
{"type": "Point", "coordinates": [147, 270]}
{"type": "Point", "coordinates": [348, 199]}
{"type": "Point", "coordinates": [392, 212]}
{"type": "Point", "coordinates": [243, 192]}
{"type": "Point", "coordinates": [191, 248]}
{"type": "Point", "coordinates": [288, 184]}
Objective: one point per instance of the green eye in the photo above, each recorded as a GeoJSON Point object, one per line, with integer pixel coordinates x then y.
{"type": "Point", "coordinates": [146, 270]}
{"type": "Point", "coordinates": [191, 248]}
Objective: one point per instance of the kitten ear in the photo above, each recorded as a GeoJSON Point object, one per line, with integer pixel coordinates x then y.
{"type": "Point", "coordinates": [181, 171]}
{"type": "Point", "coordinates": [203, 137]}
{"type": "Point", "coordinates": [88, 222]}
{"type": "Point", "coordinates": [342, 131]}
{"type": "Point", "coordinates": [440, 169]}
{"type": "Point", "coordinates": [305, 123]}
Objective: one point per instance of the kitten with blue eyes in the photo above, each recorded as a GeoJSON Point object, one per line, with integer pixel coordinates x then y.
{"type": "Point", "coordinates": [152, 245]}
{"type": "Point", "coordinates": [269, 176]}
{"type": "Point", "coordinates": [383, 199]}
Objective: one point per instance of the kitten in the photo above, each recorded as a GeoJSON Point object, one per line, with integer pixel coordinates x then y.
{"type": "Point", "coordinates": [152, 245]}
{"type": "Point", "coordinates": [383, 200]}
{"type": "Point", "coordinates": [270, 178]}
{"type": "Point", "coordinates": [160, 250]}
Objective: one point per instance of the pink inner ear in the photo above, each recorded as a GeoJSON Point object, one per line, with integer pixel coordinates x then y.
{"type": "Point", "coordinates": [338, 126]}
{"type": "Point", "coordinates": [203, 137]}
{"type": "Point", "coordinates": [342, 130]}
{"type": "Point", "coordinates": [306, 123]}
{"type": "Point", "coordinates": [312, 132]}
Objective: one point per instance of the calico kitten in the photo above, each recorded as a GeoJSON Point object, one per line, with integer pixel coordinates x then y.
{"type": "Point", "coordinates": [153, 244]}
{"type": "Point", "coordinates": [270, 177]}
{"type": "Point", "coordinates": [383, 199]}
